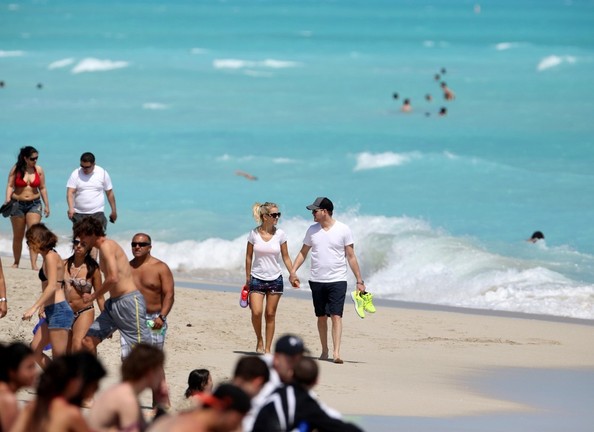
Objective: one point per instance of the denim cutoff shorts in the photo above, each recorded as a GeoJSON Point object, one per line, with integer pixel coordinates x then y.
{"type": "Point", "coordinates": [24, 207]}
{"type": "Point", "coordinates": [267, 287]}
{"type": "Point", "coordinates": [59, 316]}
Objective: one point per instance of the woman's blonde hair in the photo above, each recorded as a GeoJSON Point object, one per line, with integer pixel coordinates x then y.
{"type": "Point", "coordinates": [259, 210]}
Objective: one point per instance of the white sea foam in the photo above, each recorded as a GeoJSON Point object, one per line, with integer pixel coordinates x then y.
{"type": "Point", "coordinates": [154, 106]}
{"type": "Point", "coordinates": [241, 64]}
{"type": "Point", "coordinates": [98, 65]}
{"type": "Point", "coordinates": [11, 53]}
{"type": "Point", "coordinates": [199, 51]}
{"type": "Point", "coordinates": [367, 160]}
{"type": "Point", "coordinates": [503, 46]}
{"type": "Point", "coordinates": [283, 160]}
{"type": "Point", "coordinates": [257, 74]}
{"type": "Point", "coordinates": [58, 64]}
{"type": "Point", "coordinates": [407, 259]}
{"type": "Point", "coordinates": [554, 61]}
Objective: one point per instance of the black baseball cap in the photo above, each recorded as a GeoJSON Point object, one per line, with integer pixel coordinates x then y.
{"type": "Point", "coordinates": [321, 203]}
{"type": "Point", "coordinates": [290, 344]}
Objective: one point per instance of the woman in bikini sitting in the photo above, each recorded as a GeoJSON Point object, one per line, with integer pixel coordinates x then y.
{"type": "Point", "coordinates": [26, 189]}
{"type": "Point", "coordinates": [52, 301]}
{"type": "Point", "coordinates": [81, 276]}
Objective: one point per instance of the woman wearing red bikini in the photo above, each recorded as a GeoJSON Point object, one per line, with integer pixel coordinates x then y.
{"type": "Point", "coordinates": [26, 189]}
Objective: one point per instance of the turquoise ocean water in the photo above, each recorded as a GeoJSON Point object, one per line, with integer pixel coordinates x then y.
{"type": "Point", "coordinates": [174, 96]}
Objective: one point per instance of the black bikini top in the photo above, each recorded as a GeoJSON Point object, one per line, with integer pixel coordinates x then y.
{"type": "Point", "coordinates": [43, 277]}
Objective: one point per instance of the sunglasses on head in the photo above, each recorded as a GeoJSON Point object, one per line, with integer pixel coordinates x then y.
{"type": "Point", "coordinates": [275, 215]}
{"type": "Point", "coordinates": [140, 244]}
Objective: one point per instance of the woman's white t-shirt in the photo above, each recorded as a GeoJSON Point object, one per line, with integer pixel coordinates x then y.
{"type": "Point", "coordinates": [266, 262]}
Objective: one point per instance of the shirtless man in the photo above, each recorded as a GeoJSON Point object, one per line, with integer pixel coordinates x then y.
{"type": "Point", "coordinates": [118, 408]}
{"type": "Point", "coordinates": [154, 280]}
{"type": "Point", "coordinates": [125, 310]}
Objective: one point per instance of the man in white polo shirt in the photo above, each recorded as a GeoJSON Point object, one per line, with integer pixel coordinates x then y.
{"type": "Point", "coordinates": [332, 247]}
{"type": "Point", "coordinates": [85, 189]}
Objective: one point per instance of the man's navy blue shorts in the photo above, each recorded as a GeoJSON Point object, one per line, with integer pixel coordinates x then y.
{"type": "Point", "coordinates": [328, 297]}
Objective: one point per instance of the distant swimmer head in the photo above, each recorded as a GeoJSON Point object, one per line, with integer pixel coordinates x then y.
{"type": "Point", "coordinates": [395, 95]}
{"type": "Point", "coordinates": [437, 77]}
{"type": "Point", "coordinates": [428, 97]}
{"type": "Point", "coordinates": [443, 111]}
{"type": "Point", "coordinates": [536, 236]}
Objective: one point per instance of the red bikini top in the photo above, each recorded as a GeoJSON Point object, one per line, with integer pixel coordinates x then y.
{"type": "Point", "coordinates": [19, 182]}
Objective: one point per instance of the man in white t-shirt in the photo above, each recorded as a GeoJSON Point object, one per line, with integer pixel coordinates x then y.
{"type": "Point", "coordinates": [85, 189]}
{"type": "Point", "coordinates": [332, 247]}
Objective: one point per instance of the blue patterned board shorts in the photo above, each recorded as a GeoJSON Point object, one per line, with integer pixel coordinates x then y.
{"type": "Point", "coordinates": [267, 287]}
{"type": "Point", "coordinates": [59, 316]}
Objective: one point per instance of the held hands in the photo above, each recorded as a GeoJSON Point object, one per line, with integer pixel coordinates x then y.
{"type": "Point", "coordinates": [295, 283]}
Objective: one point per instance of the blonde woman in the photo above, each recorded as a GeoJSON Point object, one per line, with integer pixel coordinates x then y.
{"type": "Point", "coordinates": [266, 245]}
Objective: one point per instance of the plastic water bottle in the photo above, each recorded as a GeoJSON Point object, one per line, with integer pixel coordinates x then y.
{"type": "Point", "coordinates": [151, 324]}
{"type": "Point", "coordinates": [243, 301]}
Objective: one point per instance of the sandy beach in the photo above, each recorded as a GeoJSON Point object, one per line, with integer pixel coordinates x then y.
{"type": "Point", "coordinates": [401, 362]}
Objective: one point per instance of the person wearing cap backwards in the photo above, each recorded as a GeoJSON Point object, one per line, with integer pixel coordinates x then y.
{"type": "Point", "coordinates": [221, 411]}
{"type": "Point", "coordinates": [332, 247]}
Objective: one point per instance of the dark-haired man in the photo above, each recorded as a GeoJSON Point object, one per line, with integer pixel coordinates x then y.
{"type": "Point", "coordinates": [84, 192]}
{"type": "Point", "coordinates": [332, 247]}
{"type": "Point", "coordinates": [125, 310]}
{"type": "Point", "coordinates": [154, 280]}
{"type": "Point", "coordinates": [117, 408]}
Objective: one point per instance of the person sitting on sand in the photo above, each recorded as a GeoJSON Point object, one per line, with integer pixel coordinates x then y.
{"type": "Point", "coordinates": [118, 406]}
{"type": "Point", "coordinates": [67, 381]}
{"type": "Point", "coordinates": [17, 370]}
{"type": "Point", "coordinates": [294, 407]}
{"type": "Point", "coordinates": [222, 411]}
{"type": "Point", "coordinates": [289, 349]}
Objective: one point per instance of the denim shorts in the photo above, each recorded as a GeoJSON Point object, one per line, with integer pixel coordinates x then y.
{"type": "Point", "coordinates": [267, 287]}
{"type": "Point", "coordinates": [24, 207]}
{"type": "Point", "coordinates": [59, 316]}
